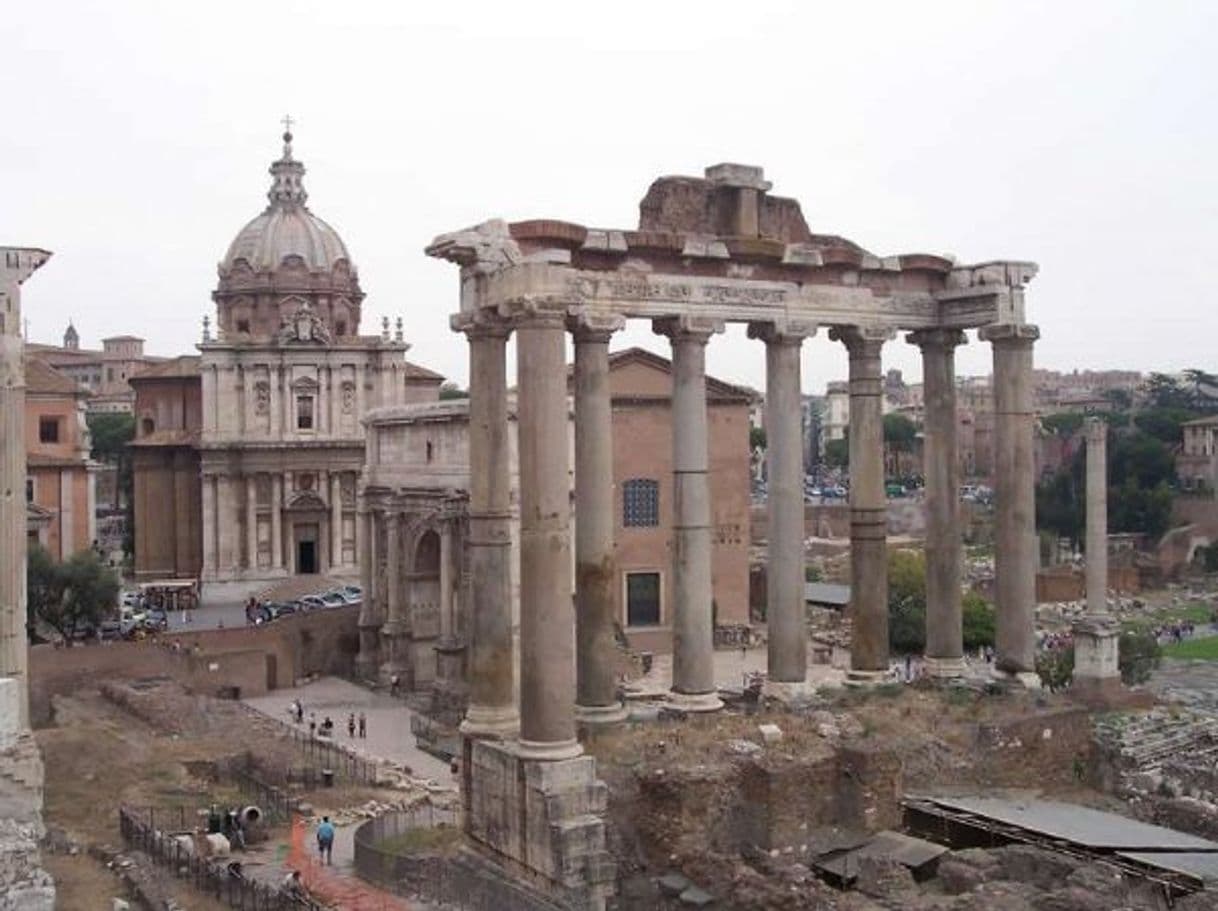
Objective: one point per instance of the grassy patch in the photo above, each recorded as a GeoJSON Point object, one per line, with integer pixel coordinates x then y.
{"type": "Point", "coordinates": [422, 841]}
{"type": "Point", "coordinates": [1203, 649]}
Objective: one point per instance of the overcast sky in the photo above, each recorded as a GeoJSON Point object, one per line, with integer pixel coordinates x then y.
{"type": "Point", "coordinates": [1084, 136]}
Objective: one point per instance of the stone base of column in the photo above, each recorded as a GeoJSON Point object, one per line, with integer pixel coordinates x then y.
{"type": "Point", "coordinates": [1097, 669]}
{"type": "Point", "coordinates": [694, 702]}
{"type": "Point", "coordinates": [1024, 680]}
{"type": "Point", "coordinates": [491, 722]}
{"type": "Point", "coordinates": [867, 679]}
{"type": "Point", "coordinates": [944, 668]}
{"type": "Point", "coordinates": [547, 751]}
{"type": "Point", "coordinates": [543, 820]}
{"type": "Point", "coordinates": [595, 715]}
{"type": "Point", "coordinates": [788, 692]}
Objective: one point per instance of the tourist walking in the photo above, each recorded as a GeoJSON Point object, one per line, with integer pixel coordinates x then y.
{"type": "Point", "coordinates": [325, 839]}
{"type": "Point", "coordinates": [363, 726]}
{"type": "Point", "coordinates": [351, 725]}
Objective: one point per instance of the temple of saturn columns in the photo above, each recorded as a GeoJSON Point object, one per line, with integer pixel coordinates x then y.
{"type": "Point", "coordinates": [707, 251]}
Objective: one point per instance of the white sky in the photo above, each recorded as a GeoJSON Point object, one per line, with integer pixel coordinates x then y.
{"type": "Point", "coordinates": [1081, 135]}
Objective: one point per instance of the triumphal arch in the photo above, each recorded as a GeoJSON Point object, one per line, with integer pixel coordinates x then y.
{"type": "Point", "coordinates": [707, 251]}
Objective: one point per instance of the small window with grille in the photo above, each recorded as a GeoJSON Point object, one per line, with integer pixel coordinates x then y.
{"type": "Point", "coordinates": [641, 503]}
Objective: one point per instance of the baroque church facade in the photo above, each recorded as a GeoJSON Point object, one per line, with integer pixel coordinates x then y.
{"type": "Point", "coordinates": [283, 384]}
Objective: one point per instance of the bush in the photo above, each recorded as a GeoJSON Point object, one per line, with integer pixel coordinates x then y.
{"type": "Point", "coordinates": [1139, 655]}
{"type": "Point", "coordinates": [1055, 668]}
{"type": "Point", "coordinates": [980, 621]}
{"type": "Point", "coordinates": [906, 602]}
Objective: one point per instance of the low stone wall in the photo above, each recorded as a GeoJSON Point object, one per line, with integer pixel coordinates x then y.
{"type": "Point", "coordinates": [1069, 584]}
{"type": "Point", "coordinates": [241, 661]}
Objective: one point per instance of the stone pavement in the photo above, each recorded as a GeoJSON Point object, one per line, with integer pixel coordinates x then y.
{"type": "Point", "coordinates": [389, 736]}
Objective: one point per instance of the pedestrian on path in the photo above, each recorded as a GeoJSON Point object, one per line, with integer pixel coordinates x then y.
{"type": "Point", "coordinates": [363, 727]}
{"type": "Point", "coordinates": [325, 839]}
{"type": "Point", "coordinates": [351, 725]}
{"type": "Point", "coordinates": [312, 724]}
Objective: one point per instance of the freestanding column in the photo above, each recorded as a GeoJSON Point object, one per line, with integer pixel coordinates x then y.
{"type": "Point", "coordinates": [251, 521]}
{"type": "Point", "coordinates": [944, 547]}
{"type": "Point", "coordinates": [787, 659]}
{"type": "Point", "coordinates": [595, 563]}
{"type": "Point", "coordinates": [276, 521]}
{"type": "Point", "coordinates": [366, 661]}
{"type": "Point", "coordinates": [1097, 668]}
{"type": "Point", "coordinates": [336, 519]}
{"type": "Point", "coordinates": [16, 265]}
{"type": "Point", "coordinates": [208, 508]}
{"type": "Point", "coordinates": [1097, 517]}
{"type": "Point", "coordinates": [1015, 499]}
{"type": "Point", "coordinates": [395, 626]}
{"type": "Point", "coordinates": [868, 505]}
{"type": "Point", "coordinates": [547, 612]}
{"type": "Point", "coordinates": [492, 700]}
{"type": "Point", "coordinates": [693, 669]}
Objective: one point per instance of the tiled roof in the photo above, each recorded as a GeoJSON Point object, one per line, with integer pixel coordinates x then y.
{"type": "Point", "coordinates": [43, 378]}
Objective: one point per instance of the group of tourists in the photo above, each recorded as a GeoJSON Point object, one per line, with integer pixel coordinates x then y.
{"type": "Point", "coordinates": [355, 722]}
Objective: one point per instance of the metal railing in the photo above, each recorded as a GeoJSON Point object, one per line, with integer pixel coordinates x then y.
{"type": "Point", "coordinates": [322, 754]}
{"type": "Point", "coordinates": [156, 833]}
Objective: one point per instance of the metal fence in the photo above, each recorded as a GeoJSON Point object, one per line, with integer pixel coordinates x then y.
{"type": "Point", "coordinates": [321, 755]}
{"type": "Point", "coordinates": [448, 877]}
{"type": "Point", "coordinates": [155, 833]}
{"type": "Point", "coordinates": [276, 803]}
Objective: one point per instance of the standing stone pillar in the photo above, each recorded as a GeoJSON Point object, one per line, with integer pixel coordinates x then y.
{"type": "Point", "coordinates": [208, 508]}
{"type": "Point", "coordinates": [366, 661]}
{"type": "Point", "coordinates": [393, 633]}
{"type": "Point", "coordinates": [868, 505]}
{"type": "Point", "coordinates": [547, 612]}
{"type": "Point", "coordinates": [492, 702]}
{"type": "Point", "coordinates": [16, 265]}
{"type": "Point", "coordinates": [276, 521]}
{"type": "Point", "coordinates": [940, 467]}
{"type": "Point", "coordinates": [1097, 670]}
{"type": "Point", "coordinates": [595, 562]}
{"type": "Point", "coordinates": [336, 520]}
{"type": "Point", "coordinates": [1015, 556]}
{"type": "Point", "coordinates": [693, 646]}
{"type": "Point", "coordinates": [787, 658]}
{"type": "Point", "coordinates": [251, 522]}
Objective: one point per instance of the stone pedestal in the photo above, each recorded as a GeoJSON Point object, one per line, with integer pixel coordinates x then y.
{"type": "Point", "coordinates": [1097, 671]}
{"type": "Point", "coordinates": [542, 819]}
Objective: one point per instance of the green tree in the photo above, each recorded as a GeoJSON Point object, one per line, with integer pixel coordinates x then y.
{"type": "Point", "coordinates": [906, 602]}
{"type": "Point", "coordinates": [1202, 388]}
{"type": "Point", "coordinates": [757, 438]}
{"type": "Point", "coordinates": [72, 595]}
{"type": "Point", "coordinates": [837, 453]}
{"type": "Point", "coordinates": [1120, 399]}
{"type": "Point", "coordinates": [899, 432]}
{"type": "Point", "coordinates": [980, 621]}
{"type": "Point", "coordinates": [1163, 424]}
{"type": "Point", "coordinates": [1163, 391]}
{"type": "Point", "coordinates": [1063, 424]}
{"type": "Point", "coordinates": [1139, 653]}
{"type": "Point", "coordinates": [452, 391]}
{"type": "Point", "coordinates": [110, 434]}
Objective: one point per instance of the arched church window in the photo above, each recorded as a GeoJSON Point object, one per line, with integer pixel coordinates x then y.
{"type": "Point", "coordinates": [340, 328]}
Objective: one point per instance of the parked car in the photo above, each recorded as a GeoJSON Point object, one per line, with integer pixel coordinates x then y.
{"type": "Point", "coordinates": [337, 598]}
{"type": "Point", "coordinates": [157, 619]}
{"type": "Point", "coordinates": [355, 592]}
{"type": "Point", "coordinates": [312, 602]}
{"type": "Point", "coordinates": [111, 630]}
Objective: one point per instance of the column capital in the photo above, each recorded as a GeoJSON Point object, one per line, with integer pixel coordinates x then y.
{"type": "Point", "coordinates": [937, 338]}
{"type": "Point", "coordinates": [1096, 430]}
{"type": "Point", "coordinates": [687, 328]}
{"type": "Point", "coordinates": [782, 330]}
{"type": "Point", "coordinates": [590, 326]}
{"type": "Point", "coordinates": [1009, 333]}
{"type": "Point", "coordinates": [480, 324]}
{"type": "Point", "coordinates": [862, 341]}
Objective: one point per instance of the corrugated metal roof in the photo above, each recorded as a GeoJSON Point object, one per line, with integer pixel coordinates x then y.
{"type": "Point", "coordinates": [826, 593]}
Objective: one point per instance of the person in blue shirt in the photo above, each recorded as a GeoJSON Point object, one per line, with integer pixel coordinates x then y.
{"type": "Point", "coordinates": [325, 838]}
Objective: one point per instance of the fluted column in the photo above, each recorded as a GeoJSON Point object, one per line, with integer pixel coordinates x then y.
{"type": "Point", "coordinates": [868, 504]}
{"type": "Point", "coordinates": [787, 640]}
{"type": "Point", "coordinates": [547, 611]}
{"type": "Point", "coordinates": [16, 265]}
{"type": "Point", "coordinates": [395, 629]}
{"type": "Point", "coordinates": [366, 661]}
{"type": "Point", "coordinates": [1014, 498]}
{"type": "Point", "coordinates": [596, 699]}
{"type": "Point", "coordinates": [276, 521]}
{"type": "Point", "coordinates": [492, 702]}
{"type": "Point", "coordinates": [251, 521]}
{"type": "Point", "coordinates": [336, 520]}
{"type": "Point", "coordinates": [944, 545]}
{"type": "Point", "coordinates": [693, 670]}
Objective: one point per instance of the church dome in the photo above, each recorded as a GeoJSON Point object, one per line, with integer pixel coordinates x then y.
{"type": "Point", "coordinates": [287, 228]}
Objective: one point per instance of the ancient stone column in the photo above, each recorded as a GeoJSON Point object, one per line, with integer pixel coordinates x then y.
{"type": "Point", "coordinates": [693, 670]}
{"type": "Point", "coordinates": [336, 520]}
{"type": "Point", "coordinates": [1097, 668]}
{"type": "Point", "coordinates": [16, 265]}
{"type": "Point", "coordinates": [547, 612]}
{"type": "Point", "coordinates": [276, 521]}
{"type": "Point", "coordinates": [868, 505]}
{"type": "Point", "coordinates": [595, 563]}
{"type": "Point", "coordinates": [492, 702]}
{"type": "Point", "coordinates": [1014, 499]}
{"type": "Point", "coordinates": [208, 508]}
{"type": "Point", "coordinates": [944, 546]}
{"type": "Point", "coordinates": [446, 582]}
{"type": "Point", "coordinates": [1097, 516]}
{"type": "Point", "coordinates": [367, 660]}
{"type": "Point", "coordinates": [394, 630]}
{"type": "Point", "coordinates": [787, 658]}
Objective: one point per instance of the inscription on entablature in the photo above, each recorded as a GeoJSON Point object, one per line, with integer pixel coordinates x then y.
{"type": "Point", "coordinates": [679, 292]}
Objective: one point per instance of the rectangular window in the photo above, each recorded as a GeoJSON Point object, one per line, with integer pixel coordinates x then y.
{"type": "Point", "coordinates": [641, 503]}
{"type": "Point", "coordinates": [304, 412]}
{"type": "Point", "coordinates": [48, 430]}
{"type": "Point", "coordinates": [642, 599]}
{"type": "Point", "coordinates": [29, 490]}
